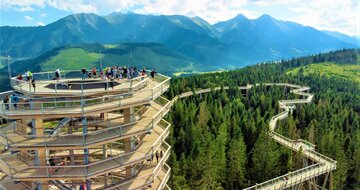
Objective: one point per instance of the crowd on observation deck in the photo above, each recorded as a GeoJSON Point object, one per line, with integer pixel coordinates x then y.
{"type": "Point", "coordinates": [114, 72]}
{"type": "Point", "coordinates": [108, 73]}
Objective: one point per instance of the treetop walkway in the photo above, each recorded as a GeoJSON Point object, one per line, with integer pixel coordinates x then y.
{"type": "Point", "coordinates": [324, 164]}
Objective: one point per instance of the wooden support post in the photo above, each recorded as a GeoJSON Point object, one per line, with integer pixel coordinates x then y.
{"type": "Point", "coordinates": [71, 152]}
{"type": "Point", "coordinates": [129, 144]}
{"type": "Point", "coordinates": [39, 128]}
{"type": "Point", "coordinates": [331, 181]}
{"type": "Point", "coordinates": [42, 162]}
{"type": "Point", "coordinates": [21, 126]}
{"type": "Point", "coordinates": [86, 150]}
{"type": "Point", "coordinates": [40, 158]}
{"type": "Point", "coordinates": [325, 180]}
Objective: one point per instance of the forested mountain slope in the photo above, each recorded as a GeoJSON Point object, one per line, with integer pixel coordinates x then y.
{"type": "Point", "coordinates": [219, 139]}
{"type": "Point", "coordinates": [236, 42]}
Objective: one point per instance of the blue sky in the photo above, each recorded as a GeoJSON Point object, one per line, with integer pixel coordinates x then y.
{"type": "Point", "coordinates": [334, 15]}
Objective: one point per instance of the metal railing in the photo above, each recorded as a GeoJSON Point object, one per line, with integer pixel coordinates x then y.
{"type": "Point", "coordinates": [293, 178]}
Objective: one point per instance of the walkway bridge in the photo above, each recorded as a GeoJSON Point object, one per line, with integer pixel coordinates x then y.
{"type": "Point", "coordinates": [299, 178]}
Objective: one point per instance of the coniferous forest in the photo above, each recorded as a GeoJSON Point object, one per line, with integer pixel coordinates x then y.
{"type": "Point", "coordinates": [219, 139]}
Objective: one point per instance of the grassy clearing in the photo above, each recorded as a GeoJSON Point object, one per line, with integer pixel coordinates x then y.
{"type": "Point", "coordinates": [73, 58]}
{"type": "Point", "coordinates": [345, 71]}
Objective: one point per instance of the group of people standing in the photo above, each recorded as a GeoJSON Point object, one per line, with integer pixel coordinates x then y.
{"type": "Point", "coordinates": [29, 77]}
{"type": "Point", "coordinates": [115, 72]}
{"type": "Point", "coordinates": [14, 99]}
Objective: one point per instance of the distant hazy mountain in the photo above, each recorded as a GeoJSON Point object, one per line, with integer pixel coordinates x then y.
{"type": "Point", "coordinates": [343, 37]}
{"type": "Point", "coordinates": [238, 41]}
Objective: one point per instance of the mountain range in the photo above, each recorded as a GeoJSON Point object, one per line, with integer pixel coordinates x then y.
{"type": "Point", "coordinates": [236, 42]}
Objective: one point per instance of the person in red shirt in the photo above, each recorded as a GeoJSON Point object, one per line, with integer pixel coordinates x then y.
{"type": "Point", "coordinates": [19, 77]}
{"type": "Point", "coordinates": [94, 72]}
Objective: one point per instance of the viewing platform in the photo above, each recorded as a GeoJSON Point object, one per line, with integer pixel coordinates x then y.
{"type": "Point", "coordinates": [102, 133]}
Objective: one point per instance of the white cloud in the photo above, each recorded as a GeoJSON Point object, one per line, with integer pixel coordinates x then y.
{"type": "Point", "coordinates": [24, 9]}
{"type": "Point", "coordinates": [21, 5]}
{"type": "Point", "coordinates": [75, 6]}
{"type": "Point", "coordinates": [28, 18]}
{"type": "Point", "coordinates": [42, 15]}
{"type": "Point", "coordinates": [270, 2]}
{"type": "Point", "coordinates": [333, 15]}
{"type": "Point", "coordinates": [40, 23]}
{"type": "Point", "coordinates": [210, 10]}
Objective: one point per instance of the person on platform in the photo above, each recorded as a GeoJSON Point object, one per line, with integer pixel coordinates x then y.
{"type": "Point", "coordinates": [152, 73]}
{"type": "Point", "coordinates": [143, 73]}
{"type": "Point", "coordinates": [83, 71]}
{"type": "Point", "coordinates": [57, 74]}
{"type": "Point", "coordinates": [126, 75]}
{"type": "Point", "coordinates": [14, 101]}
{"type": "Point", "coordinates": [121, 71]}
{"type": "Point", "coordinates": [6, 102]}
{"type": "Point", "coordinates": [19, 77]}
{"type": "Point", "coordinates": [33, 84]}
{"type": "Point", "coordinates": [28, 75]}
{"type": "Point", "coordinates": [94, 72]}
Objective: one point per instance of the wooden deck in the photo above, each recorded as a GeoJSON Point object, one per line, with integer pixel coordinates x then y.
{"type": "Point", "coordinates": [144, 96]}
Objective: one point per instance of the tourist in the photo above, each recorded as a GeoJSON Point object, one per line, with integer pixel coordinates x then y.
{"type": "Point", "coordinates": [33, 83]}
{"type": "Point", "coordinates": [83, 71]}
{"type": "Point", "coordinates": [101, 73]}
{"type": "Point", "coordinates": [121, 72]}
{"type": "Point", "coordinates": [143, 73]}
{"type": "Point", "coordinates": [14, 100]}
{"type": "Point", "coordinates": [161, 153]}
{"type": "Point", "coordinates": [136, 73]}
{"type": "Point", "coordinates": [94, 72]}
{"type": "Point", "coordinates": [157, 156]}
{"type": "Point", "coordinates": [19, 77]}
{"type": "Point", "coordinates": [89, 75]}
{"type": "Point", "coordinates": [152, 73]}
{"type": "Point", "coordinates": [6, 102]}
{"type": "Point", "coordinates": [28, 75]}
{"type": "Point", "coordinates": [109, 72]}
{"type": "Point", "coordinates": [126, 72]}
{"type": "Point", "coordinates": [117, 74]}
{"type": "Point", "coordinates": [57, 74]}
{"type": "Point", "coordinates": [112, 71]}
